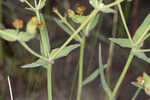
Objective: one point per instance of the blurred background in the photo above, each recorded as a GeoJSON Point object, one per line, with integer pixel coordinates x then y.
{"type": "Point", "coordinates": [31, 84]}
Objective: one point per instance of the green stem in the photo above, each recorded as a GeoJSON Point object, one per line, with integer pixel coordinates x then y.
{"type": "Point", "coordinates": [143, 50]}
{"type": "Point", "coordinates": [38, 15]}
{"type": "Point", "coordinates": [124, 22]}
{"type": "Point", "coordinates": [102, 76]}
{"type": "Point", "coordinates": [49, 82]}
{"type": "Point", "coordinates": [45, 50]}
{"type": "Point", "coordinates": [81, 68]}
{"type": "Point", "coordinates": [117, 86]}
{"type": "Point", "coordinates": [29, 4]}
{"type": "Point", "coordinates": [136, 93]}
{"type": "Point", "coordinates": [113, 4]}
{"type": "Point", "coordinates": [39, 2]}
{"type": "Point", "coordinates": [35, 2]}
{"type": "Point", "coordinates": [31, 51]}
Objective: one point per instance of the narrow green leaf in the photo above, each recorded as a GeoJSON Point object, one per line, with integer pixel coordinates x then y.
{"type": "Point", "coordinates": [142, 56]}
{"type": "Point", "coordinates": [8, 34]}
{"type": "Point", "coordinates": [102, 76]}
{"type": "Point", "coordinates": [65, 51]}
{"type": "Point", "coordinates": [24, 36]}
{"type": "Point", "coordinates": [94, 3]}
{"type": "Point", "coordinates": [146, 78]}
{"type": "Point", "coordinates": [137, 85]}
{"type": "Point", "coordinates": [94, 21]}
{"type": "Point", "coordinates": [35, 64]}
{"type": "Point", "coordinates": [91, 24]}
{"type": "Point", "coordinates": [31, 28]}
{"type": "Point", "coordinates": [146, 83]}
{"type": "Point", "coordinates": [122, 42]}
{"type": "Point", "coordinates": [79, 18]}
{"type": "Point", "coordinates": [142, 28]}
{"type": "Point", "coordinates": [107, 10]}
{"type": "Point", "coordinates": [30, 9]}
{"type": "Point", "coordinates": [41, 4]}
{"type": "Point", "coordinates": [45, 45]}
{"type": "Point", "coordinates": [92, 76]}
{"type": "Point", "coordinates": [147, 36]}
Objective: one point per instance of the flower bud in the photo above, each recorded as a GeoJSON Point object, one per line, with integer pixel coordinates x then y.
{"type": "Point", "coordinates": [80, 10]}
{"type": "Point", "coordinates": [140, 80]}
{"type": "Point", "coordinates": [70, 13]}
{"type": "Point", "coordinates": [18, 24]}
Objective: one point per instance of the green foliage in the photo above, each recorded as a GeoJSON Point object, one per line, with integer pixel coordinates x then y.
{"type": "Point", "coordinates": [76, 18]}
{"type": "Point", "coordinates": [122, 42]}
{"type": "Point", "coordinates": [91, 25]}
{"type": "Point", "coordinates": [107, 10]}
{"type": "Point", "coordinates": [138, 40]}
{"type": "Point", "coordinates": [41, 4]}
{"type": "Point", "coordinates": [93, 22]}
{"type": "Point", "coordinates": [146, 83]}
{"type": "Point", "coordinates": [99, 5]}
{"type": "Point", "coordinates": [86, 24]}
{"type": "Point", "coordinates": [142, 29]}
{"type": "Point", "coordinates": [65, 51]}
{"type": "Point", "coordinates": [24, 36]}
{"type": "Point", "coordinates": [142, 56]}
{"type": "Point", "coordinates": [65, 28]}
{"type": "Point", "coordinates": [137, 85]}
{"type": "Point", "coordinates": [35, 64]}
{"type": "Point", "coordinates": [31, 28]}
{"type": "Point", "coordinates": [94, 3]}
{"type": "Point", "coordinates": [92, 76]}
{"type": "Point", "coordinates": [79, 19]}
{"type": "Point", "coordinates": [44, 41]}
{"type": "Point", "coordinates": [14, 35]}
{"type": "Point", "coordinates": [8, 34]}
{"type": "Point", "coordinates": [102, 76]}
